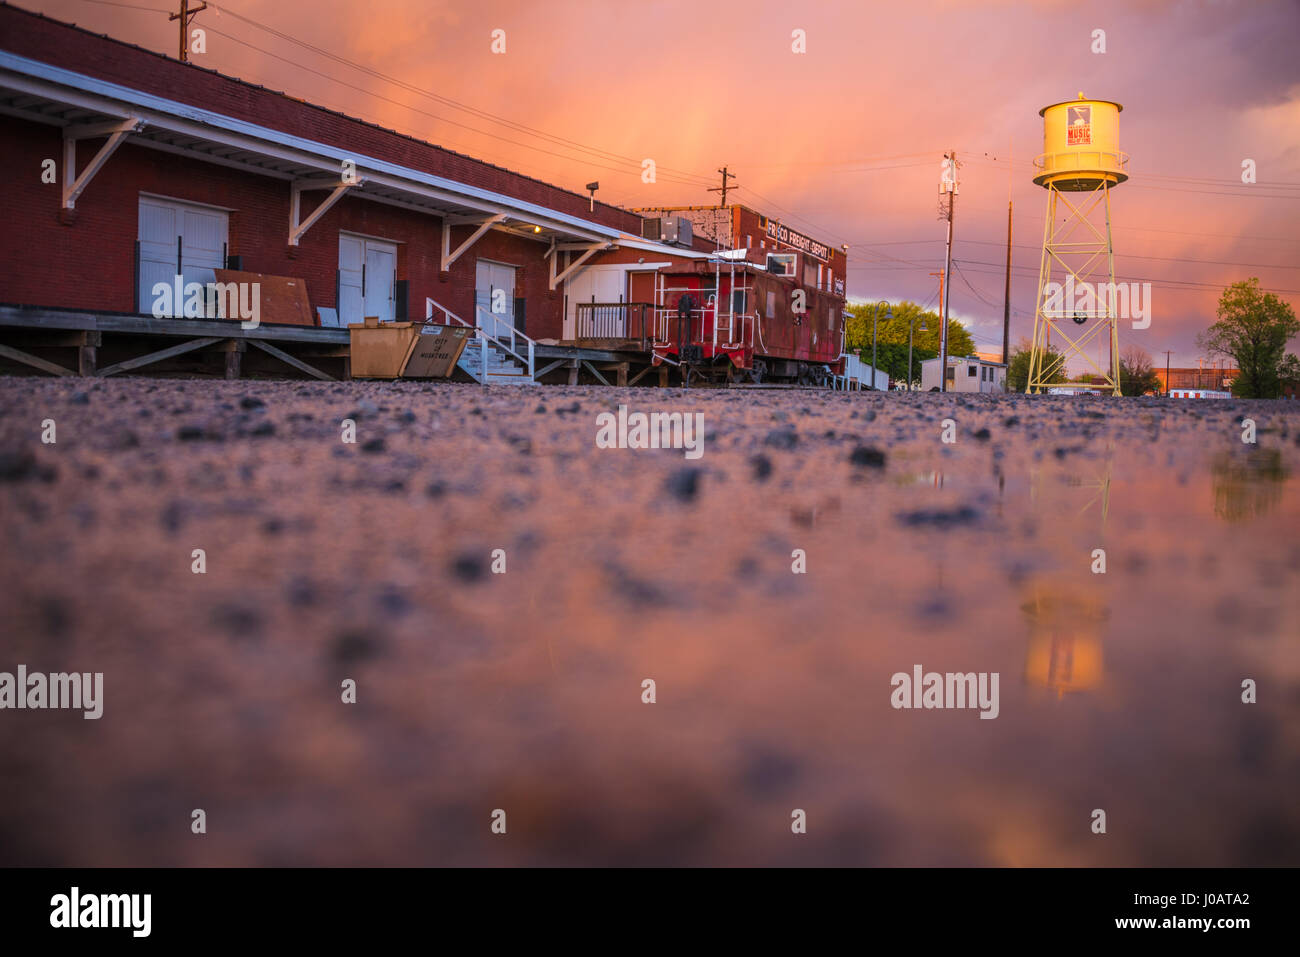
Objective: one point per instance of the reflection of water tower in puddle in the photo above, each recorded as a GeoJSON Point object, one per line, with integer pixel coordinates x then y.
{"type": "Point", "coordinates": [1065, 620]}
{"type": "Point", "coordinates": [1064, 639]}
{"type": "Point", "coordinates": [1080, 163]}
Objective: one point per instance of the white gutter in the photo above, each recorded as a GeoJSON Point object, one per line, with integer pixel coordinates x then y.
{"type": "Point", "coordinates": [206, 124]}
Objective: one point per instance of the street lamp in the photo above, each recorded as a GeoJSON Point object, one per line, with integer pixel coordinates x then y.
{"type": "Point", "coordinates": [889, 314]}
{"type": "Point", "coordinates": [911, 327]}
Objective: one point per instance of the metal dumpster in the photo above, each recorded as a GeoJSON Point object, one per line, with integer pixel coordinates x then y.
{"type": "Point", "coordinates": [405, 350]}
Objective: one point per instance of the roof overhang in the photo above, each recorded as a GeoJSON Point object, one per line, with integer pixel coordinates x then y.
{"type": "Point", "coordinates": [41, 92]}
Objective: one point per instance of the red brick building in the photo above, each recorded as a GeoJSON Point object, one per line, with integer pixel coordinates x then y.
{"type": "Point", "coordinates": [226, 160]}
{"type": "Point", "coordinates": [129, 168]}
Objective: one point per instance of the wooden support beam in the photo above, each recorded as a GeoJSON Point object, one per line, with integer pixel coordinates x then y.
{"type": "Point", "coordinates": [297, 229]}
{"type": "Point", "coordinates": [618, 368]}
{"type": "Point", "coordinates": [159, 356]}
{"type": "Point", "coordinates": [90, 131]}
{"type": "Point", "coordinates": [553, 366]}
{"type": "Point", "coordinates": [234, 350]}
{"type": "Point", "coordinates": [26, 358]}
{"type": "Point", "coordinates": [573, 373]}
{"type": "Point", "coordinates": [596, 372]}
{"type": "Point", "coordinates": [73, 185]}
{"type": "Point", "coordinates": [86, 357]}
{"type": "Point", "coordinates": [644, 372]}
{"type": "Point", "coordinates": [576, 264]}
{"type": "Point", "coordinates": [448, 256]}
{"type": "Point", "coordinates": [290, 360]}
{"type": "Point", "coordinates": [663, 377]}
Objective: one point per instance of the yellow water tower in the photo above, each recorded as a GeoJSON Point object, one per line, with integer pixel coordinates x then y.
{"type": "Point", "coordinates": [1077, 299]}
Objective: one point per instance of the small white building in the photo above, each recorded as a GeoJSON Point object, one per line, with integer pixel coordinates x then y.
{"type": "Point", "coordinates": [860, 375]}
{"type": "Point", "coordinates": [965, 374]}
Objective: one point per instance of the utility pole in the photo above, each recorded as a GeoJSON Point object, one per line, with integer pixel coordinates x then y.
{"type": "Point", "coordinates": [185, 16]}
{"type": "Point", "coordinates": [951, 159]}
{"type": "Point", "coordinates": [1006, 301]}
{"type": "Point", "coordinates": [1167, 351]}
{"type": "Point", "coordinates": [940, 275]}
{"type": "Point", "coordinates": [724, 187]}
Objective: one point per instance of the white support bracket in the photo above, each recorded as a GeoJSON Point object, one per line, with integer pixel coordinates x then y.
{"type": "Point", "coordinates": [296, 229]}
{"type": "Point", "coordinates": [116, 131]}
{"type": "Point", "coordinates": [589, 250]}
{"type": "Point", "coordinates": [448, 256]}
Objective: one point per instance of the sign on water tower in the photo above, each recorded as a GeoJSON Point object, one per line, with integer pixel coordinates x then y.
{"type": "Point", "coordinates": [1079, 132]}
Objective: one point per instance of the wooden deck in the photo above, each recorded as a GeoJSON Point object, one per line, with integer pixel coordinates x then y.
{"type": "Point", "coordinates": [66, 342]}
{"type": "Point", "coordinates": [76, 342]}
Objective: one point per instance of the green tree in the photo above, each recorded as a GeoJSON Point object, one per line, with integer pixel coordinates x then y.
{"type": "Point", "coordinates": [1018, 366]}
{"type": "Point", "coordinates": [1136, 376]}
{"type": "Point", "coordinates": [894, 331]}
{"type": "Point", "coordinates": [1253, 329]}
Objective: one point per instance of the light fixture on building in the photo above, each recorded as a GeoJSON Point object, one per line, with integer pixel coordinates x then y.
{"type": "Point", "coordinates": [591, 188]}
{"type": "Point", "coordinates": [537, 229]}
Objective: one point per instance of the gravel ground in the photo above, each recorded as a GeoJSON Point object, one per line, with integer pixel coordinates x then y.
{"type": "Point", "coordinates": [522, 691]}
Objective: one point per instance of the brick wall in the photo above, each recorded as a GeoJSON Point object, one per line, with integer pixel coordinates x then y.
{"type": "Point", "coordinates": [90, 263]}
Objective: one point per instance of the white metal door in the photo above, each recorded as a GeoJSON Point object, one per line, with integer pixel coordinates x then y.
{"type": "Point", "coordinates": [495, 278]}
{"type": "Point", "coordinates": [367, 279]}
{"type": "Point", "coordinates": [178, 236]}
{"type": "Point", "coordinates": [597, 284]}
{"type": "Point", "coordinates": [351, 257]}
{"type": "Point", "coordinates": [381, 281]}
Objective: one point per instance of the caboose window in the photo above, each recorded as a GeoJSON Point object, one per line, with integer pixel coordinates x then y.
{"type": "Point", "coordinates": [782, 264]}
{"type": "Point", "coordinates": [970, 371]}
{"type": "Point", "coordinates": [738, 301]}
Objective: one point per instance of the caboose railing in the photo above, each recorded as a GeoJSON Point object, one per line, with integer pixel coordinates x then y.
{"type": "Point", "coordinates": [615, 320]}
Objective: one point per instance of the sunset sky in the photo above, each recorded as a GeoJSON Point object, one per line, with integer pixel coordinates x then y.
{"type": "Point", "coordinates": [843, 141]}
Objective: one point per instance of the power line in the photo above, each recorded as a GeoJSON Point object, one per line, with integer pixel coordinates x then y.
{"type": "Point", "coordinates": [1196, 180]}
{"type": "Point", "coordinates": [554, 139]}
{"type": "Point", "coordinates": [1032, 271]}
{"type": "Point", "coordinates": [685, 179]}
{"type": "Point", "coordinates": [129, 6]}
{"type": "Point", "coordinates": [1122, 255]}
{"type": "Point", "coordinates": [966, 282]}
{"type": "Point", "coordinates": [416, 109]}
{"type": "Point", "coordinates": [793, 215]}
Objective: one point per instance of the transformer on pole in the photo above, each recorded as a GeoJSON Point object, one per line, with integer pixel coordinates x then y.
{"type": "Point", "coordinates": [1077, 297]}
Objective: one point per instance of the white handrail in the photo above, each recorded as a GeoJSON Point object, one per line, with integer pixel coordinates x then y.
{"type": "Point", "coordinates": [430, 305]}
{"type": "Point", "coordinates": [498, 340]}
{"type": "Point", "coordinates": [528, 358]}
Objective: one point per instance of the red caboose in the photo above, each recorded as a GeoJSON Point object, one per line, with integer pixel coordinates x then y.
{"type": "Point", "coordinates": [764, 304]}
{"type": "Point", "coordinates": [724, 316]}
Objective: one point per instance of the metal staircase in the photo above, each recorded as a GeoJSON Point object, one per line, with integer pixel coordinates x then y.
{"type": "Point", "coordinates": [501, 356]}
